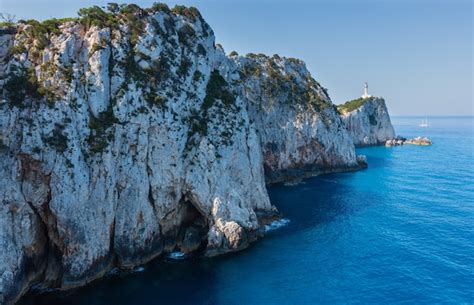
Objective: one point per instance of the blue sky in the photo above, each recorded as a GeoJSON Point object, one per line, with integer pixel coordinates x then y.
{"type": "Point", "coordinates": [416, 54]}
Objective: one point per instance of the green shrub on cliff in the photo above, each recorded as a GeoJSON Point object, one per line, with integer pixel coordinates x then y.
{"type": "Point", "coordinates": [159, 7]}
{"type": "Point", "coordinates": [42, 31]}
{"type": "Point", "coordinates": [130, 14]}
{"type": "Point", "coordinates": [351, 105]}
{"type": "Point", "coordinates": [197, 76]}
{"type": "Point", "coordinates": [96, 16]}
{"type": "Point", "coordinates": [185, 34]}
{"type": "Point", "coordinates": [154, 99]}
{"type": "Point", "coordinates": [184, 66]}
{"type": "Point", "coordinates": [217, 89]}
{"type": "Point", "coordinates": [58, 140]}
{"type": "Point", "coordinates": [189, 12]}
{"type": "Point", "coordinates": [20, 85]}
{"type": "Point", "coordinates": [100, 134]}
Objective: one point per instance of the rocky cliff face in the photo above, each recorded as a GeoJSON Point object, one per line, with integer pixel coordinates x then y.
{"type": "Point", "coordinates": [367, 121]}
{"type": "Point", "coordinates": [127, 134]}
{"type": "Point", "coordinates": [299, 129]}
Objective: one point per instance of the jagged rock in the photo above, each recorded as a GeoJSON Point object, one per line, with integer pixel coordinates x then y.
{"type": "Point", "coordinates": [394, 142]}
{"type": "Point", "coordinates": [367, 121]}
{"type": "Point", "coordinates": [23, 239]}
{"type": "Point", "coordinates": [299, 129]}
{"type": "Point", "coordinates": [362, 161]}
{"type": "Point", "coordinates": [422, 141]}
{"type": "Point", "coordinates": [124, 140]}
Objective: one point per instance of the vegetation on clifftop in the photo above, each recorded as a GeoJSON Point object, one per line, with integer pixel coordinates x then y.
{"type": "Point", "coordinates": [351, 105]}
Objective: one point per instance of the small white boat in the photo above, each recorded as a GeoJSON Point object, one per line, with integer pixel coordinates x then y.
{"type": "Point", "coordinates": [424, 123]}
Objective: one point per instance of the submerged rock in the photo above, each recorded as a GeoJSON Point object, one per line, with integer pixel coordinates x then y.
{"type": "Point", "coordinates": [367, 121]}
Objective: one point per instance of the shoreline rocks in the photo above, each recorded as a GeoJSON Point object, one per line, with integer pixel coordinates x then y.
{"type": "Point", "coordinates": [420, 141]}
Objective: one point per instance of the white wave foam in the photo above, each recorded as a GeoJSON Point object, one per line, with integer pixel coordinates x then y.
{"type": "Point", "coordinates": [274, 225]}
{"type": "Point", "coordinates": [139, 269]}
{"type": "Point", "coordinates": [177, 255]}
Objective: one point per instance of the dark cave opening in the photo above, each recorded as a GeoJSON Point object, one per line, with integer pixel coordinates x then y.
{"type": "Point", "coordinates": [192, 235]}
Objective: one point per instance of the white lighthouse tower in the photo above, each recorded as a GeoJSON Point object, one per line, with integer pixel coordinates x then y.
{"type": "Point", "coordinates": [366, 91]}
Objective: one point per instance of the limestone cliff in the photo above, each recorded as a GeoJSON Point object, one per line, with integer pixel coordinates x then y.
{"type": "Point", "coordinates": [299, 128]}
{"type": "Point", "coordinates": [367, 121]}
{"type": "Point", "coordinates": [126, 134]}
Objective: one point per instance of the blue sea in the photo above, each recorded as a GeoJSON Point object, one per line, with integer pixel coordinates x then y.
{"type": "Point", "coordinates": [401, 231]}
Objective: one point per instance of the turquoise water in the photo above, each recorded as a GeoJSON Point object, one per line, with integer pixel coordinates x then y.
{"type": "Point", "coordinates": [401, 231]}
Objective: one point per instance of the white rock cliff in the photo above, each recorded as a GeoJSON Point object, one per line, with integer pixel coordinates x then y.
{"type": "Point", "coordinates": [127, 134]}
{"type": "Point", "coordinates": [300, 131]}
{"type": "Point", "coordinates": [367, 121]}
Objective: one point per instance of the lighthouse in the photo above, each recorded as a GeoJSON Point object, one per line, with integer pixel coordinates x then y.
{"type": "Point", "coordinates": [366, 91]}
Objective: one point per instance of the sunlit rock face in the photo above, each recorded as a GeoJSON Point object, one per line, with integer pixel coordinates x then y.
{"type": "Point", "coordinates": [300, 131]}
{"type": "Point", "coordinates": [368, 123]}
{"type": "Point", "coordinates": [117, 148]}
{"type": "Point", "coordinates": [128, 134]}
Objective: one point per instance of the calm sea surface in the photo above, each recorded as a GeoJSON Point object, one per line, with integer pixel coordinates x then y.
{"type": "Point", "coordinates": [401, 231]}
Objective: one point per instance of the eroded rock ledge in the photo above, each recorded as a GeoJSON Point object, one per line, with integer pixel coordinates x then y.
{"type": "Point", "coordinates": [126, 134]}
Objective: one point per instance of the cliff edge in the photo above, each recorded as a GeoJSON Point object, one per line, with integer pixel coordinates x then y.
{"type": "Point", "coordinates": [126, 134]}
{"type": "Point", "coordinates": [300, 131]}
{"type": "Point", "coordinates": [367, 121]}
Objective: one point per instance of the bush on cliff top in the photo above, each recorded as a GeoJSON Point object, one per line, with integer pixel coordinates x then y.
{"type": "Point", "coordinates": [189, 12]}
{"type": "Point", "coordinates": [42, 31]}
{"type": "Point", "coordinates": [351, 105]}
{"type": "Point", "coordinates": [110, 17]}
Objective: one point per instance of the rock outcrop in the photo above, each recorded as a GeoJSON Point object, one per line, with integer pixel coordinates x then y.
{"type": "Point", "coordinates": [127, 133]}
{"type": "Point", "coordinates": [299, 128]}
{"type": "Point", "coordinates": [420, 141]}
{"type": "Point", "coordinates": [367, 121]}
